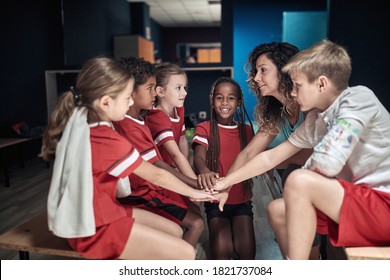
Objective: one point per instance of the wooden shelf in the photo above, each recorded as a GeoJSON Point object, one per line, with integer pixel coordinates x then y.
{"type": "Point", "coordinates": [135, 46]}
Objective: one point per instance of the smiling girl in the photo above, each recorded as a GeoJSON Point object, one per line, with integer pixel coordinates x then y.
{"type": "Point", "coordinates": [216, 144]}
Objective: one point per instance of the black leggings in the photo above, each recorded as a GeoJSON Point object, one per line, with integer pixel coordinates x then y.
{"type": "Point", "coordinates": [231, 232]}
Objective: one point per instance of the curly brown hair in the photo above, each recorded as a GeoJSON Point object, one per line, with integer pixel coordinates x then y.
{"type": "Point", "coordinates": [269, 111]}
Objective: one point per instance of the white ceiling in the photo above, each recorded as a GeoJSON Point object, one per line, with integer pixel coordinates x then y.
{"type": "Point", "coordinates": [184, 13]}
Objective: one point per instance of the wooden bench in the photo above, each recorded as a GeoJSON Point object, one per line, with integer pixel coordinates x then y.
{"type": "Point", "coordinates": [6, 144]}
{"type": "Point", "coordinates": [367, 253]}
{"type": "Point", "coordinates": [34, 236]}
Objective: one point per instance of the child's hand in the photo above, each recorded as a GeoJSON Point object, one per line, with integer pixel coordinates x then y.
{"type": "Point", "coordinates": [220, 184]}
{"type": "Point", "coordinates": [207, 180]}
{"type": "Point", "coordinates": [222, 198]}
{"type": "Point", "coordinates": [202, 195]}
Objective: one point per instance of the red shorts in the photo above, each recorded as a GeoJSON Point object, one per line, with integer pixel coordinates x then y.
{"type": "Point", "coordinates": [364, 218]}
{"type": "Point", "coordinates": [108, 242]}
{"type": "Point", "coordinates": [180, 199]}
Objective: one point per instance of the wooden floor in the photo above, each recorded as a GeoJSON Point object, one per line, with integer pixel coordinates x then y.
{"type": "Point", "coordinates": [27, 194]}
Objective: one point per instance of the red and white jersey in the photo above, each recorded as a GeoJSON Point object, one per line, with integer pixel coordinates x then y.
{"type": "Point", "coordinates": [113, 157]}
{"type": "Point", "coordinates": [229, 149]}
{"type": "Point", "coordinates": [165, 128]}
{"type": "Point", "coordinates": [138, 133]}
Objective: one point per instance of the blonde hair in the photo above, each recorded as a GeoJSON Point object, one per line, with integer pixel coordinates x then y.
{"type": "Point", "coordinates": [164, 72]}
{"type": "Point", "coordinates": [324, 58]}
{"type": "Point", "coordinates": [98, 77]}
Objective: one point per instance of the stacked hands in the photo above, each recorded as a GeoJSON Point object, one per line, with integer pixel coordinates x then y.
{"type": "Point", "coordinates": [213, 188]}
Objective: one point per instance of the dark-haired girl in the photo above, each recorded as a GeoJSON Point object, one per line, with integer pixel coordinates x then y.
{"type": "Point", "coordinates": [216, 144]}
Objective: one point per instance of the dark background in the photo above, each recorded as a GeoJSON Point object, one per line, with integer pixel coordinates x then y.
{"type": "Point", "coordinates": [62, 34]}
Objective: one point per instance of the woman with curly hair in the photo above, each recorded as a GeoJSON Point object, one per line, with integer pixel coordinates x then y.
{"type": "Point", "coordinates": [277, 114]}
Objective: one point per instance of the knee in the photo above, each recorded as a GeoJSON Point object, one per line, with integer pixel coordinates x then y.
{"type": "Point", "coordinates": [298, 181]}
{"type": "Point", "coordinates": [276, 211]}
{"type": "Point", "coordinates": [198, 223]}
{"type": "Point", "coordinates": [187, 251]}
{"type": "Point", "coordinates": [177, 231]}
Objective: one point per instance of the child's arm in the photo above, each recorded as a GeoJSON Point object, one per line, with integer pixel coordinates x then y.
{"type": "Point", "coordinates": [187, 180]}
{"type": "Point", "coordinates": [259, 164]}
{"type": "Point", "coordinates": [179, 158]}
{"type": "Point", "coordinates": [183, 146]}
{"type": "Point", "coordinates": [206, 178]}
{"type": "Point", "coordinates": [298, 159]}
{"type": "Point", "coordinates": [163, 178]}
{"type": "Point", "coordinates": [258, 144]}
{"type": "Point", "coordinates": [331, 154]}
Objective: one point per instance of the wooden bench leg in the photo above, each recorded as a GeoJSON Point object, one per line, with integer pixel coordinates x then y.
{"type": "Point", "coordinates": [323, 245]}
{"type": "Point", "coordinates": [6, 178]}
{"type": "Point", "coordinates": [4, 162]}
{"type": "Point", "coordinates": [24, 255]}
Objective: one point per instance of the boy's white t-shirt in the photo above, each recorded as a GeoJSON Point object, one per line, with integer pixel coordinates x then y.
{"type": "Point", "coordinates": [351, 139]}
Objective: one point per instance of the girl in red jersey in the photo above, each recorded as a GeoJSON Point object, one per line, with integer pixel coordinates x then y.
{"type": "Point", "coordinates": [91, 160]}
{"type": "Point", "coordinates": [216, 144]}
{"type": "Point", "coordinates": [166, 119]}
{"type": "Point", "coordinates": [166, 123]}
{"type": "Point", "coordinates": [145, 194]}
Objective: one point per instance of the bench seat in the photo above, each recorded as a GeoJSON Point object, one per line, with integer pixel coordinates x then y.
{"type": "Point", "coordinates": [34, 236]}
{"type": "Point", "coordinates": [367, 253]}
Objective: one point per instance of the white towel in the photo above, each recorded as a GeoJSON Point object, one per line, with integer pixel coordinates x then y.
{"type": "Point", "coordinates": [70, 200]}
{"type": "Point", "coordinates": [123, 187]}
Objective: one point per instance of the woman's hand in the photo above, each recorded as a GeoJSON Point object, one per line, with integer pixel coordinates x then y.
{"type": "Point", "coordinates": [207, 180]}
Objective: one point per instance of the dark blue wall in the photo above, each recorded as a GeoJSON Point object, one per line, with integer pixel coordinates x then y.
{"type": "Point", "coordinates": [89, 27]}
{"type": "Point", "coordinates": [303, 29]}
{"type": "Point", "coordinates": [156, 37]}
{"type": "Point", "coordinates": [363, 27]}
{"type": "Point", "coordinates": [31, 43]}
{"type": "Point", "coordinates": [140, 18]}
{"type": "Point", "coordinates": [35, 39]}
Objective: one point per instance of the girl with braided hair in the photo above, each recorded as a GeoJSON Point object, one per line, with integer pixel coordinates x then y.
{"type": "Point", "coordinates": [216, 144]}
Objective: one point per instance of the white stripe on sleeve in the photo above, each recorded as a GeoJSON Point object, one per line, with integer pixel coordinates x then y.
{"type": "Point", "coordinates": [162, 136]}
{"type": "Point", "coordinates": [201, 139]}
{"type": "Point", "coordinates": [149, 155]}
{"type": "Point", "coordinates": [125, 164]}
